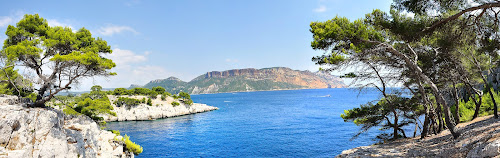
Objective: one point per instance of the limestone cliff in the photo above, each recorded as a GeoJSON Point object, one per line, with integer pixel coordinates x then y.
{"type": "Point", "coordinates": [240, 80]}
{"type": "Point", "coordinates": [159, 109]}
{"type": "Point", "coordinates": [45, 132]}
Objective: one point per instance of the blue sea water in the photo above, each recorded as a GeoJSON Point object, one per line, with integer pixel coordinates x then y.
{"type": "Point", "coordinates": [291, 123]}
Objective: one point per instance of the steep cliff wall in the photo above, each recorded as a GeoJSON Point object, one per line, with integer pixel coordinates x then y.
{"type": "Point", "coordinates": [238, 80]}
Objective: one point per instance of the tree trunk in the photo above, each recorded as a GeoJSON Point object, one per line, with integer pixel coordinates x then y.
{"type": "Point", "coordinates": [457, 102]}
{"type": "Point", "coordinates": [395, 125]}
{"type": "Point", "coordinates": [495, 109]}
{"type": "Point", "coordinates": [425, 126]}
{"type": "Point", "coordinates": [486, 85]}
{"type": "Point", "coordinates": [40, 102]}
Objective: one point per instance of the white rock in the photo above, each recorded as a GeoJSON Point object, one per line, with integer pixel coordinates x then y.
{"type": "Point", "coordinates": [45, 132]}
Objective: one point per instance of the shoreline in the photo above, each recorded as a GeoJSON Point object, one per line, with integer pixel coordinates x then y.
{"type": "Point", "coordinates": [160, 109]}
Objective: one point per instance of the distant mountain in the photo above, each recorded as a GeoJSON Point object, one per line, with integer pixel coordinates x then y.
{"type": "Point", "coordinates": [243, 80]}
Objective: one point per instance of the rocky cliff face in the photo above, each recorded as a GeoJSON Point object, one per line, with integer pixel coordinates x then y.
{"type": "Point", "coordinates": [306, 79]}
{"type": "Point", "coordinates": [242, 80]}
{"type": "Point", "coordinates": [45, 132]}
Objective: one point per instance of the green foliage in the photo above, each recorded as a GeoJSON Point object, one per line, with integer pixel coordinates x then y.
{"type": "Point", "coordinates": [466, 109]}
{"type": "Point", "coordinates": [186, 98]}
{"type": "Point", "coordinates": [158, 89]}
{"type": "Point", "coordinates": [129, 102]}
{"type": "Point", "coordinates": [153, 95]}
{"type": "Point", "coordinates": [70, 111]}
{"type": "Point", "coordinates": [167, 94]}
{"type": "Point", "coordinates": [120, 91]}
{"type": "Point", "coordinates": [184, 95]}
{"type": "Point", "coordinates": [150, 103]}
{"type": "Point", "coordinates": [372, 115]}
{"type": "Point", "coordinates": [141, 91]}
{"type": "Point", "coordinates": [174, 104]}
{"type": "Point", "coordinates": [34, 44]}
{"type": "Point", "coordinates": [131, 146]}
{"type": "Point", "coordinates": [143, 100]}
{"type": "Point", "coordinates": [163, 97]}
{"type": "Point", "coordinates": [92, 108]}
{"type": "Point", "coordinates": [117, 132]}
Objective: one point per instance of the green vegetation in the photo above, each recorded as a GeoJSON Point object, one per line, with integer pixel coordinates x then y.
{"type": "Point", "coordinates": [150, 102]}
{"type": "Point", "coordinates": [467, 108]}
{"type": "Point", "coordinates": [174, 104]}
{"type": "Point", "coordinates": [131, 146]}
{"type": "Point", "coordinates": [186, 98]}
{"type": "Point", "coordinates": [36, 45]}
{"type": "Point", "coordinates": [70, 111]}
{"type": "Point", "coordinates": [440, 60]}
{"type": "Point", "coordinates": [117, 132]}
{"type": "Point", "coordinates": [128, 102]}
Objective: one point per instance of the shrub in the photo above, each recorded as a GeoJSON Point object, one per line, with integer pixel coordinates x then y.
{"type": "Point", "coordinates": [158, 89]}
{"type": "Point", "coordinates": [167, 94]}
{"type": "Point", "coordinates": [143, 100]}
{"type": "Point", "coordinates": [153, 95]}
{"type": "Point", "coordinates": [163, 97]}
{"type": "Point", "coordinates": [188, 102]}
{"type": "Point", "coordinates": [117, 132]}
{"type": "Point", "coordinates": [174, 104]}
{"type": "Point", "coordinates": [70, 111]}
{"type": "Point", "coordinates": [150, 103]}
{"type": "Point", "coordinates": [92, 108]}
{"type": "Point", "coordinates": [131, 146]}
{"type": "Point", "coordinates": [127, 102]}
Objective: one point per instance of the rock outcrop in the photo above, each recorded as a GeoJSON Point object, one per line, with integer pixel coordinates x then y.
{"type": "Point", "coordinates": [479, 138]}
{"type": "Point", "coordinates": [45, 132]}
{"type": "Point", "coordinates": [159, 109]}
{"type": "Point", "coordinates": [244, 80]}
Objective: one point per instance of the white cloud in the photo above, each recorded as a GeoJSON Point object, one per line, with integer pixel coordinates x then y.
{"type": "Point", "coordinates": [5, 20]}
{"type": "Point", "coordinates": [112, 29]}
{"type": "Point", "coordinates": [320, 9]}
{"type": "Point", "coordinates": [54, 22]}
{"type": "Point", "coordinates": [125, 57]}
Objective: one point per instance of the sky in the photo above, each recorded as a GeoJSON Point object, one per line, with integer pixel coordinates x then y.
{"type": "Point", "coordinates": [156, 39]}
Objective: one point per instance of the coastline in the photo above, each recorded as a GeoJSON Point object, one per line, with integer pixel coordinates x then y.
{"type": "Point", "coordinates": [159, 109]}
{"type": "Point", "coordinates": [48, 132]}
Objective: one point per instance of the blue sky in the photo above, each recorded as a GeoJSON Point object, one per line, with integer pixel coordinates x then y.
{"type": "Point", "coordinates": [159, 39]}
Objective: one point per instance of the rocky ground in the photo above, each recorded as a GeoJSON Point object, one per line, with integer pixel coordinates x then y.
{"type": "Point", "coordinates": [45, 132]}
{"type": "Point", "coordinates": [159, 109]}
{"type": "Point", "coordinates": [480, 138]}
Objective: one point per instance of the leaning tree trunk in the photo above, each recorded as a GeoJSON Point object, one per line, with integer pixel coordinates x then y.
{"type": "Point", "coordinates": [418, 72]}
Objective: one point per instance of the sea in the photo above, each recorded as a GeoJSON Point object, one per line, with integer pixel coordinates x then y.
{"type": "Point", "coordinates": [287, 123]}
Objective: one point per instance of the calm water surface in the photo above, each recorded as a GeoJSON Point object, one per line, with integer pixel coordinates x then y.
{"type": "Point", "coordinates": [294, 123]}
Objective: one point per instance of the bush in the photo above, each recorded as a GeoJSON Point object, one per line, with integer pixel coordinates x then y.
{"type": "Point", "coordinates": [131, 146]}
{"type": "Point", "coordinates": [167, 94]}
{"type": "Point", "coordinates": [188, 102]}
{"type": "Point", "coordinates": [174, 104]}
{"type": "Point", "coordinates": [127, 102]}
{"type": "Point", "coordinates": [153, 95]}
{"type": "Point", "coordinates": [163, 97]}
{"type": "Point", "coordinates": [92, 108]}
{"type": "Point", "coordinates": [150, 103]}
{"type": "Point", "coordinates": [158, 89]}
{"type": "Point", "coordinates": [117, 132]}
{"type": "Point", "coordinates": [143, 100]}
{"type": "Point", "coordinates": [70, 111]}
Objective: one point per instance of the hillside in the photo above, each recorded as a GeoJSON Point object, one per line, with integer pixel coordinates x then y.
{"type": "Point", "coordinates": [243, 80]}
{"type": "Point", "coordinates": [480, 138]}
